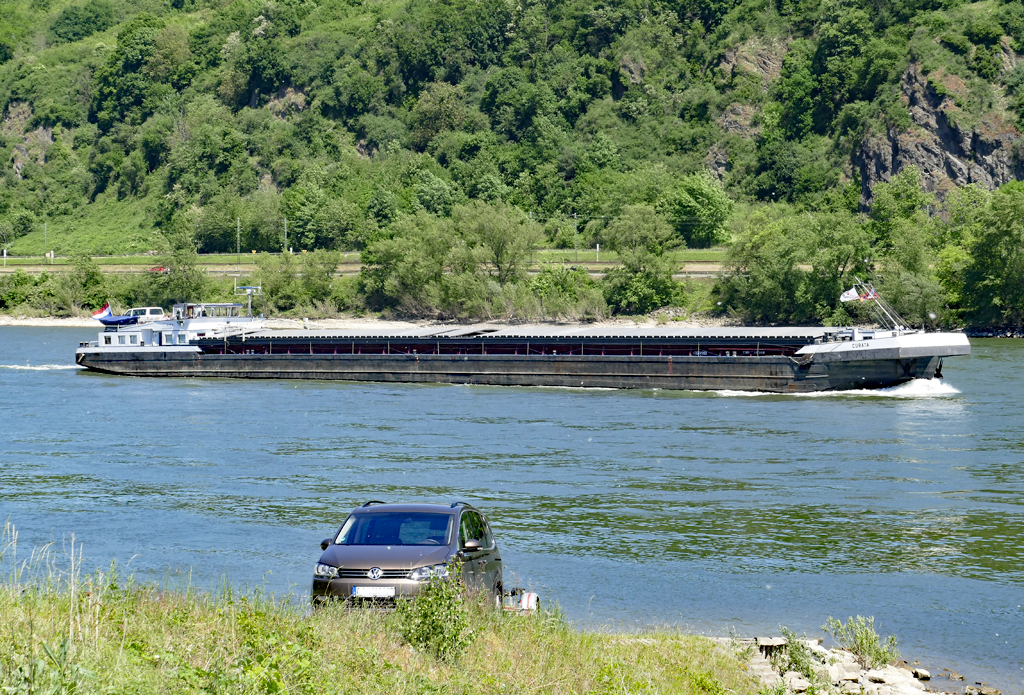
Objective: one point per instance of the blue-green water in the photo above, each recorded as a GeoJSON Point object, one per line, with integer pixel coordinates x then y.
{"type": "Point", "coordinates": [710, 511]}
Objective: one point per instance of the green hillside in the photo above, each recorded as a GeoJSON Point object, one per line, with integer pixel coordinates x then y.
{"type": "Point", "coordinates": [447, 139]}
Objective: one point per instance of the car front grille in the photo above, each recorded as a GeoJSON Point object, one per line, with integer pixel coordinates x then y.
{"type": "Point", "coordinates": [362, 574]}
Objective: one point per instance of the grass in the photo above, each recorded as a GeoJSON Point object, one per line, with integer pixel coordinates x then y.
{"type": "Point", "coordinates": [62, 631]}
{"type": "Point", "coordinates": [105, 227]}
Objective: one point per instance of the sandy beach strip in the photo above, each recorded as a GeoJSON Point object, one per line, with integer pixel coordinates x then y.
{"type": "Point", "coordinates": [366, 322]}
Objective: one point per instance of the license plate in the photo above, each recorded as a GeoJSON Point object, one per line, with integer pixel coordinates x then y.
{"type": "Point", "coordinates": [373, 591]}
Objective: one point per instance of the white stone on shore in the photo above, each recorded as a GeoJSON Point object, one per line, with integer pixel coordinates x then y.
{"type": "Point", "coordinates": [795, 682]}
{"type": "Point", "coordinates": [848, 671]}
{"type": "Point", "coordinates": [875, 676]}
{"type": "Point", "coordinates": [844, 656]}
{"type": "Point", "coordinates": [819, 650]}
{"type": "Point", "coordinates": [922, 674]}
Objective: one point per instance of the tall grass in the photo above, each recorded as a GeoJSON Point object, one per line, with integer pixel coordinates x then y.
{"type": "Point", "coordinates": [66, 631]}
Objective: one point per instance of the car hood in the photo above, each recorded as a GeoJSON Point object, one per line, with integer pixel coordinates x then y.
{"type": "Point", "coordinates": [388, 557]}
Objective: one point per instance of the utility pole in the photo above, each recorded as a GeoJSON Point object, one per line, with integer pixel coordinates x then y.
{"type": "Point", "coordinates": [238, 242]}
{"type": "Point", "coordinates": [576, 236]}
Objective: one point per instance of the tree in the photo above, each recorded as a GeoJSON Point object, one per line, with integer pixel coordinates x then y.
{"type": "Point", "coordinates": [74, 23]}
{"type": "Point", "coordinates": [504, 233]}
{"type": "Point", "coordinates": [183, 281]}
{"type": "Point", "coordinates": [318, 270]}
{"type": "Point", "coordinates": [644, 281]}
{"type": "Point", "coordinates": [994, 289]}
{"type": "Point", "coordinates": [900, 199]}
{"type": "Point", "coordinates": [964, 211]}
{"type": "Point", "coordinates": [791, 267]}
{"type": "Point", "coordinates": [278, 276]}
{"type": "Point", "coordinates": [123, 91]}
{"type": "Point", "coordinates": [439, 108]}
{"type": "Point", "coordinates": [513, 102]}
{"type": "Point", "coordinates": [699, 210]}
{"type": "Point", "coordinates": [424, 267]}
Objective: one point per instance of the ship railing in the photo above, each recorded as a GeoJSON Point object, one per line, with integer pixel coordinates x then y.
{"type": "Point", "coordinates": [884, 313]}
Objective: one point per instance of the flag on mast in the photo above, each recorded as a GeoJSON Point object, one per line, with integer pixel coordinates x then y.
{"type": "Point", "coordinates": [849, 295]}
{"type": "Point", "coordinates": [103, 313]}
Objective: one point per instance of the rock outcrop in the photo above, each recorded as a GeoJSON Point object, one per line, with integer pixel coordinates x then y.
{"type": "Point", "coordinates": [32, 147]}
{"type": "Point", "coordinates": [835, 671]}
{"type": "Point", "coordinates": [947, 153]}
{"type": "Point", "coordinates": [756, 56]}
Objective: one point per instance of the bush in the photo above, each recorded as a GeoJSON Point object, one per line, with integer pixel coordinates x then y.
{"type": "Point", "coordinates": [957, 43]}
{"type": "Point", "coordinates": [858, 636]}
{"type": "Point", "coordinates": [796, 657]}
{"type": "Point", "coordinates": [437, 619]}
{"type": "Point", "coordinates": [75, 23]}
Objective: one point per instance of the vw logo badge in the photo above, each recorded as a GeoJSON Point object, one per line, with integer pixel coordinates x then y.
{"type": "Point", "coordinates": [374, 573]}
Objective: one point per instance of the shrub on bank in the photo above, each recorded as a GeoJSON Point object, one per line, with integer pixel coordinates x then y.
{"type": "Point", "coordinates": [858, 636]}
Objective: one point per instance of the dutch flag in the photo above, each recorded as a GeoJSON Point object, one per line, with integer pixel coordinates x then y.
{"type": "Point", "coordinates": [103, 313]}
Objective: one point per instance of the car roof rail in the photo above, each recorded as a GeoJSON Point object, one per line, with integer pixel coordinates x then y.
{"type": "Point", "coordinates": [373, 502]}
{"type": "Point", "coordinates": [458, 502]}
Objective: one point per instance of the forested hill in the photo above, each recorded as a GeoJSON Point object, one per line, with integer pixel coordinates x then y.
{"type": "Point", "coordinates": [382, 124]}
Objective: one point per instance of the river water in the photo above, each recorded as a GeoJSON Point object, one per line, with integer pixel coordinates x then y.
{"type": "Point", "coordinates": [717, 512]}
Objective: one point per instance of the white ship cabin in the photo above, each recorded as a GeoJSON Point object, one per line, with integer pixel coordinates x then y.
{"type": "Point", "coordinates": [207, 310]}
{"type": "Point", "coordinates": [186, 323]}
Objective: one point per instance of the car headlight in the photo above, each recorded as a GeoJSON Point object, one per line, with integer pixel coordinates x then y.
{"type": "Point", "coordinates": [421, 574]}
{"type": "Point", "coordinates": [322, 571]}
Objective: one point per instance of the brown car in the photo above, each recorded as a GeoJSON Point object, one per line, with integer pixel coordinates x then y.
{"type": "Point", "coordinates": [387, 551]}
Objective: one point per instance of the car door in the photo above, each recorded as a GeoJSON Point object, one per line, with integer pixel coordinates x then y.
{"type": "Point", "coordinates": [472, 571]}
{"type": "Point", "coordinates": [481, 568]}
{"type": "Point", "coordinates": [493, 568]}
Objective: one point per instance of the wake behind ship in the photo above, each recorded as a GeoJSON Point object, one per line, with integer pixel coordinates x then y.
{"type": "Point", "coordinates": [216, 340]}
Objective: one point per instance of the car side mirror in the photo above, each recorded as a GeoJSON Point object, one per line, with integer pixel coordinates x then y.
{"type": "Point", "coordinates": [324, 543]}
{"type": "Point", "coordinates": [472, 545]}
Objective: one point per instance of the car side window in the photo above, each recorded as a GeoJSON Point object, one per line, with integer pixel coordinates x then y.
{"type": "Point", "coordinates": [465, 530]}
{"type": "Point", "coordinates": [480, 530]}
{"type": "Point", "coordinates": [488, 538]}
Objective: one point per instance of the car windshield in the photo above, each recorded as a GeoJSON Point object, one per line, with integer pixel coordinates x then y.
{"type": "Point", "coordinates": [396, 528]}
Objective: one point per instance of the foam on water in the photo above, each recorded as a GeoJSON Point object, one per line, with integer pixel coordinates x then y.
{"type": "Point", "coordinates": [39, 367]}
{"type": "Point", "coordinates": [916, 388]}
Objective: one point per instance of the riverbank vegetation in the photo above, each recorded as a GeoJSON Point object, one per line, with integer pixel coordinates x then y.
{"type": "Point", "coordinates": [62, 631]}
{"type": "Point", "coordinates": [447, 141]}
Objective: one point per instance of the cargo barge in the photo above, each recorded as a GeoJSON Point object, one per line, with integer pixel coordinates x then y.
{"type": "Point", "coordinates": [215, 340]}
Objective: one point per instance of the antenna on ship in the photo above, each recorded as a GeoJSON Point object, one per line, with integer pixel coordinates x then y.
{"type": "Point", "coordinates": [248, 291]}
{"type": "Point", "coordinates": [883, 311]}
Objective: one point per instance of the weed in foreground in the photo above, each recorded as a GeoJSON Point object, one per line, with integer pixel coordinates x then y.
{"type": "Point", "coordinates": [796, 656]}
{"type": "Point", "coordinates": [64, 631]}
{"type": "Point", "coordinates": [436, 620]}
{"type": "Point", "coordinates": [858, 636]}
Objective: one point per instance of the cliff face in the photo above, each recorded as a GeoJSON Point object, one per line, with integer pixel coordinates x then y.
{"type": "Point", "coordinates": [946, 152]}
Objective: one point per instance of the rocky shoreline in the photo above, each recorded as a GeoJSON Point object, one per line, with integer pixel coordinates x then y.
{"type": "Point", "coordinates": [994, 332]}
{"type": "Point", "coordinates": [838, 671]}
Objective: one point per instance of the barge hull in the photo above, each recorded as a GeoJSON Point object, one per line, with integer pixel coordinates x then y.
{"type": "Point", "coordinates": [776, 374]}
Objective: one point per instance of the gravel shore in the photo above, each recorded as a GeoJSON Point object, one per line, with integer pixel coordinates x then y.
{"type": "Point", "coordinates": [359, 323]}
